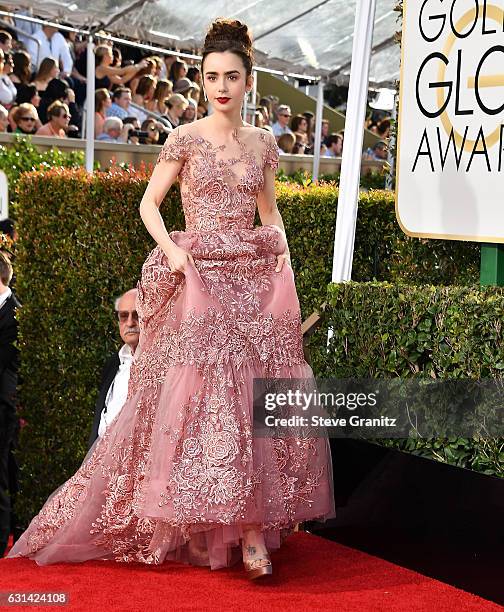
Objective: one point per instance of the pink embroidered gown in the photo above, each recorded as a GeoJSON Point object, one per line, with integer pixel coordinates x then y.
{"type": "Point", "coordinates": [178, 472]}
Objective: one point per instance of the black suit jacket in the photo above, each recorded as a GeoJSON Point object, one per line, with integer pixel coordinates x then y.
{"type": "Point", "coordinates": [9, 358]}
{"type": "Point", "coordinates": [108, 374]}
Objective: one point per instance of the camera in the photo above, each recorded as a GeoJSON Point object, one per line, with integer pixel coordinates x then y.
{"type": "Point", "coordinates": [138, 133]}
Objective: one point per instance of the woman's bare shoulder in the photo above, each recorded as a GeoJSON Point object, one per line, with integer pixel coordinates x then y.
{"type": "Point", "coordinates": [257, 135]}
{"type": "Point", "coordinates": [191, 129]}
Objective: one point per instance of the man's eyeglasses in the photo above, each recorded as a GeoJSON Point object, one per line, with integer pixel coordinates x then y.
{"type": "Point", "coordinates": [123, 315]}
{"type": "Point", "coordinates": [285, 115]}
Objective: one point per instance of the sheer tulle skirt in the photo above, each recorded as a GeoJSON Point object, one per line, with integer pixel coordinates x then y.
{"type": "Point", "coordinates": [179, 473]}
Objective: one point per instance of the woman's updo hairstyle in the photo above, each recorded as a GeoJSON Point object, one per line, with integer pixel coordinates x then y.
{"type": "Point", "coordinates": [229, 35]}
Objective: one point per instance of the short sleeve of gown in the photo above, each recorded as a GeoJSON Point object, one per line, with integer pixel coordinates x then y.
{"type": "Point", "coordinates": [175, 147]}
{"type": "Point", "coordinates": [270, 155]}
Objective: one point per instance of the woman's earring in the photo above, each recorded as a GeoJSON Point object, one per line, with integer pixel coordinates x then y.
{"type": "Point", "coordinates": [205, 96]}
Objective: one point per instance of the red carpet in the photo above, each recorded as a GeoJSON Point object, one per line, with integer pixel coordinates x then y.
{"type": "Point", "coordinates": [311, 573]}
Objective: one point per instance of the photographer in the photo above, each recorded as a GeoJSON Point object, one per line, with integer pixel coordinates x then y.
{"type": "Point", "coordinates": [133, 138]}
{"type": "Point", "coordinates": [155, 132]}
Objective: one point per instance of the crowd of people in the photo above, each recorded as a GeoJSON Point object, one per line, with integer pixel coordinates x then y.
{"type": "Point", "coordinates": [43, 93]}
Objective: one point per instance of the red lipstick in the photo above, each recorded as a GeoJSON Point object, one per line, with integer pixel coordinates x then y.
{"type": "Point", "coordinates": [223, 100]}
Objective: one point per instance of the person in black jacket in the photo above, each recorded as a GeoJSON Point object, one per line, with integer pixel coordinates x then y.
{"type": "Point", "coordinates": [9, 422]}
{"type": "Point", "coordinates": [115, 374]}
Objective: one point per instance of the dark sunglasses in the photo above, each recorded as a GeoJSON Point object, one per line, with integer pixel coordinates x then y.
{"type": "Point", "coordinates": [123, 315]}
{"type": "Point", "coordinates": [26, 119]}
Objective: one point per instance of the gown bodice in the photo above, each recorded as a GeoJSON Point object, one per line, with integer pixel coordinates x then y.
{"type": "Point", "coordinates": [219, 184]}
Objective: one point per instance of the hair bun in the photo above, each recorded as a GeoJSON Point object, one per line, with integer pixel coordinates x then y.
{"type": "Point", "coordinates": [230, 35]}
{"type": "Point", "coordinates": [231, 31]}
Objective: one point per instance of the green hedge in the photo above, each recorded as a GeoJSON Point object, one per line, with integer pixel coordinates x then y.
{"type": "Point", "coordinates": [21, 156]}
{"type": "Point", "coordinates": [382, 251]}
{"type": "Point", "coordinates": [371, 180]}
{"type": "Point", "coordinates": [383, 330]}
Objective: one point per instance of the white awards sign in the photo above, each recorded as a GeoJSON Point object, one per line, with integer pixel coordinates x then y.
{"type": "Point", "coordinates": [450, 157]}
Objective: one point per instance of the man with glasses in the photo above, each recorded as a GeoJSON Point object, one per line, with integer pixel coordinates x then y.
{"type": "Point", "coordinates": [116, 373]}
{"type": "Point", "coordinates": [282, 124]}
{"type": "Point", "coordinates": [58, 115]}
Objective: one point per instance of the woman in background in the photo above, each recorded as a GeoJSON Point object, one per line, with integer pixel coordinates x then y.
{"type": "Point", "coordinates": [176, 105]}
{"type": "Point", "coordinates": [163, 91]}
{"type": "Point", "coordinates": [102, 102]}
{"type": "Point", "coordinates": [48, 70]}
{"type": "Point", "coordinates": [21, 73]}
{"type": "Point", "coordinates": [26, 119]}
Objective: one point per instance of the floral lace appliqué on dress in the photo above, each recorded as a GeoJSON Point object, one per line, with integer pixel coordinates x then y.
{"type": "Point", "coordinates": [178, 473]}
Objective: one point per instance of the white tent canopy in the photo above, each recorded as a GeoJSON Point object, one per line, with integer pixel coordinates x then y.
{"type": "Point", "coordinates": [308, 36]}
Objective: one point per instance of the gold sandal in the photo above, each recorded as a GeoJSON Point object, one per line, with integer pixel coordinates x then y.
{"type": "Point", "coordinates": [257, 568]}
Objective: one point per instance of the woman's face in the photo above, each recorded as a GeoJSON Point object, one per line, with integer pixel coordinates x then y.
{"type": "Point", "coordinates": [107, 102]}
{"type": "Point", "coordinates": [225, 81]}
{"type": "Point", "coordinates": [9, 65]}
{"type": "Point", "coordinates": [150, 93]}
{"type": "Point", "coordinates": [179, 110]}
{"type": "Point", "coordinates": [189, 113]}
{"type": "Point", "coordinates": [26, 121]}
{"type": "Point", "coordinates": [63, 119]}
{"type": "Point", "coordinates": [108, 58]}
{"type": "Point", "coordinates": [303, 125]}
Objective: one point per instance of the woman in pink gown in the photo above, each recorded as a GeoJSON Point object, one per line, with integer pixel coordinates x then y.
{"type": "Point", "coordinates": [178, 474]}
